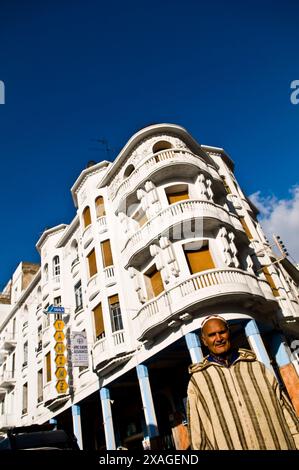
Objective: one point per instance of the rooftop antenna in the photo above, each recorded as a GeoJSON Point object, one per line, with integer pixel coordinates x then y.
{"type": "Point", "coordinates": [103, 141]}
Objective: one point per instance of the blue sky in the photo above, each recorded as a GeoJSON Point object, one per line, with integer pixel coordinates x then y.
{"type": "Point", "coordinates": [77, 71]}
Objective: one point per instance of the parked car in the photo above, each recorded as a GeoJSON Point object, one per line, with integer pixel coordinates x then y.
{"type": "Point", "coordinates": [39, 437]}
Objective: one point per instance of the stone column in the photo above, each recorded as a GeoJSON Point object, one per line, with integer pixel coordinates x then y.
{"type": "Point", "coordinates": [194, 346]}
{"type": "Point", "coordinates": [107, 418]}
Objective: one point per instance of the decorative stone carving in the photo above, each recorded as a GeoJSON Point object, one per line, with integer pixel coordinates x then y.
{"type": "Point", "coordinates": [201, 188]}
{"type": "Point", "coordinates": [233, 249]}
{"type": "Point", "coordinates": [225, 246]}
{"type": "Point", "coordinates": [138, 284]}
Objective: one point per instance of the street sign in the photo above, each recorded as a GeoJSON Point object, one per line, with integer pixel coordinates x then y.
{"type": "Point", "coordinates": [61, 386]}
{"type": "Point", "coordinates": [55, 309]}
{"type": "Point", "coordinates": [59, 336]}
{"type": "Point", "coordinates": [59, 325]}
{"type": "Point", "coordinates": [60, 360]}
{"type": "Point", "coordinates": [59, 348]}
{"type": "Point", "coordinates": [61, 373]}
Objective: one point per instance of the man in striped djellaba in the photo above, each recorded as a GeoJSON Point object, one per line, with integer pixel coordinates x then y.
{"type": "Point", "coordinates": [234, 401]}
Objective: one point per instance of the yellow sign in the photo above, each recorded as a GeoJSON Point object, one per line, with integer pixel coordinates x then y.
{"type": "Point", "coordinates": [59, 325]}
{"type": "Point", "coordinates": [59, 336]}
{"type": "Point", "coordinates": [60, 360]}
{"type": "Point", "coordinates": [59, 348]}
{"type": "Point", "coordinates": [61, 373]}
{"type": "Point", "coordinates": [61, 386]}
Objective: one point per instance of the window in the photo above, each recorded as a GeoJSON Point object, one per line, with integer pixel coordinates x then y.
{"type": "Point", "coordinates": [57, 301]}
{"type": "Point", "coordinates": [48, 366]}
{"type": "Point", "coordinates": [161, 145]}
{"type": "Point", "coordinates": [40, 386]}
{"type": "Point", "coordinates": [86, 217]}
{"type": "Point", "coordinates": [100, 208]}
{"type": "Point", "coordinates": [25, 398]}
{"type": "Point", "coordinates": [106, 253]}
{"type": "Point", "coordinates": [99, 322]}
{"type": "Point", "coordinates": [270, 281]}
{"type": "Point", "coordinates": [46, 272]}
{"type": "Point", "coordinates": [13, 365]}
{"type": "Point", "coordinates": [115, 313]}
{"type": "Point", "coordinates": [39, 339]}
{"type": "Point", "coordinates": [129, 170]}
{"type": "Point", "coordinates": [198, 259]}
{"type": "Point", "coordinates": [78, 296]}
{"type": "Point", "coordinates": [92, 263]}
{"type": "Point", "coordinates": [56, 266]}
{"type": "Point", "coordinates": [153, 281]}
{"type": "Point", "coordinates": [140, 217]}
{"type": "Point", "coordinates": [25, 354]}
{"type": "Point", "coordinates": [227, 188]}
{"type": "Point", "coordinates": [177, 193]}
{"type": "Point", "coordinates": [246, 229]}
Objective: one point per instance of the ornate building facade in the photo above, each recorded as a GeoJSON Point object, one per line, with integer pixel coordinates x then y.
{"type": "Point", "coordinates": [163, 236]}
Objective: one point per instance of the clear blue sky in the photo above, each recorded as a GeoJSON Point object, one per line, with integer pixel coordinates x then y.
{"type": "Point", "coordinates": [81, 70]}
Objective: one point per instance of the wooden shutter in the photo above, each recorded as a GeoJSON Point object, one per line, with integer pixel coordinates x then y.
{"type": "Point", "coordinates": [227, 188]}
{"type": "Point", "coordinates": [270, 281]}
{"type": "Point", "coordinates": [92, 263]}
{"type": "Point", "coordinates": [199, 260]}
{"type": "Point", "coordinates": [107, 254]}
{"type": "Point", "coordinates": [113, 299]}
{"type": "Point", "coordinates": [156, 282]}
{"type": "Point", "coordinates": [100, 207]}
{"type": "Point", "coordinates": [98, 320]}
{"type": "Point", "coordinates": [178, 196]}
{"type": "Point", "coordinates": [86, 217]}
{"type": "Point", "coordinates": [48, 366]}
{"type": "Point", "coordinates": [245, 227]}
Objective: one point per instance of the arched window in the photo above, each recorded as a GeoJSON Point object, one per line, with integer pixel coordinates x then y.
{"type": "Point", "coordinates": [130, 168]}
{"type": "Point", "coordinates": [46, 272]}
{"type": "Point", "coordinates": [56, 266]}
{"type": "Point", "coordinates": [100, 207]}
{"type": "Point", "coordinates": [86, 216]}
{"type": "Point", "coordinates": [161, 145]}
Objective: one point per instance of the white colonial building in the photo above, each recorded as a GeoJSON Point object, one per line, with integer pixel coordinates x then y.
{"type": "Point", "coordinates": [162, 237]}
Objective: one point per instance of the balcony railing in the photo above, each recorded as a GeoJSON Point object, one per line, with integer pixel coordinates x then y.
{"type": "Point", "coordinates": [7, 421]}
{"type": "Point", "coordinates": [155, 162]}
{"type": "Point", "coordinates": [109, 276]}
{"type": "Point", "coordinates": [93, 286]}
{"type": "Point", "coordinates": [7, 379]}
{"type": "Point", "coordinates": [179, 213]}
{"type": "Point", "coordinates": [102, 224]}
{"type": "Point", "coordinates": [202, 288]}
{"type": "Point", "coordinates": [9, 341]}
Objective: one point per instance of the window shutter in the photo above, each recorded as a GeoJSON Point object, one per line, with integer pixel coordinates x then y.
{"type": "Point", "coordinates": [157, 283]}
{"type": "Point", "coordinates": [107, 254]}
{"type": "Point", "coordinates": [100, 207]}
{"type": "Point", "coordinates": [98, 320]}
{"type": "Point", "coordinates": [48, 366]}
{"type": "Point", "coordinates": [246, 229]}
{"type": "Point", "coordinates": [86, 217]}
{"type": "Point", "coordinates": [92, 263]}
{"type": "Point", "coordinates": [199, 260]}
{"type": "Point", "coordinates": [270, 281]}
{"type": "Point", "coordinates": [178, 196]}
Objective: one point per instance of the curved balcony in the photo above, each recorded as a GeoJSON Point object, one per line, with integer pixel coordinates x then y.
{"type": "Point", "coordinates": [7, 379]}
{"type": "Point", "coordinates": [93, 287]}
{"type": "Point", "coordinates": [101, 353]}
{"type": "Point", "coordinates": [212, 287]}
{"type": "Point", "coordinates": [45, 290]}
{"type": "Point", "coordinates": [9, 342]}
{"type": "Point", "coordinates": [158, 166]}
{"type": "Point", "coordinates": [102, 224]}
{"type": "Point", "coordinates": [7, 421]}
{"type": "Point", "coordinates": [109, 276]}
{"type": "Point", "coordinates": [48, 332]}
{"type": "Point", "coordinates": [87, 236]}
{"type": "Point", "coordinates": [206, 215]}
{"type": "Point", "coordinates": [79, 315]}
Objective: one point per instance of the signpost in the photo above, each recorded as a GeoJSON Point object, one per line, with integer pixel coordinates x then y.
{"type": "Point", "coordinates": [60, 359]}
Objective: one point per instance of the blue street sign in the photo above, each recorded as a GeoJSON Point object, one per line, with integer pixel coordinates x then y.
{"type": "Point", "coordinates": [55, 309]}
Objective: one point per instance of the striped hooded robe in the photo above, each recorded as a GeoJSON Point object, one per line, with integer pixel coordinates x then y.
{"type": "Point", "coordinates": [240, 407]}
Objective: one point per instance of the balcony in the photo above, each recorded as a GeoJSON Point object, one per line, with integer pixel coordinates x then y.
{"type": "Point", "coordinates": [102, 224]}
{"type": "Point", "coordinates": [206, 215]}
{"type": "Point", "coordinates": [101, 353]}
{"type": "Point", "coordinates": [93, 287]}
{"type": "Point", "coordinates": [45, 290]}
{"type": "Point", "coordinates": [109, 276]}
{"type": "Point", "coordinates": [7, 421]}
{"type": "Point", "coordinates": [75, 266]}
{"type": "Point", "coordinates": [9, 341]}
{"type": "Point", "coordinates": [158, 166]}
{"type": "Point", "coordinates": [212, 287]}
{"type": "Point", "coordinates": [48, 333]}
{"type": "Point", "coordinates": [79, 315]}
{"type": "Point", "coordinates": [2, 392]}
{"type": "Point", "coordinates": [56, 282]}
{"type": "Point", "coordinates": [7, 379]}
{"type": "Point", "coordinates": [87, 236]}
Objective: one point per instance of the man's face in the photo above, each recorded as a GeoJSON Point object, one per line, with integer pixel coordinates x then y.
{"type": "Point", "coordinates": [216, 337]}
